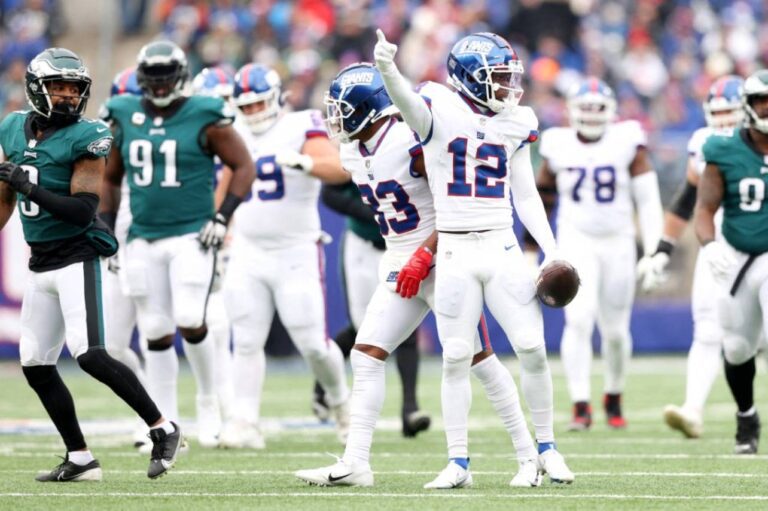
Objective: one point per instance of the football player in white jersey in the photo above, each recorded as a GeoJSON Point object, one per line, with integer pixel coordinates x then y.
{"type": "Point", "coordinates": [723, 111]}
{"type": "Point", "coordinates": [598, 167]}
{"type": "Point", "coordinates": [276, 255]}
{"type": "Point", "coordinates": [387, 164]}
{"type": "Point", "coordinates": [475, 140]}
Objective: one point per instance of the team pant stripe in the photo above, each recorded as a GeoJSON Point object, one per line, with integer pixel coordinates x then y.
{"type": "Point", "coordinates": [482, 328]}
{"type": "Point", "coordinates": [321, 268]}
{"type": "Point", "coordinates": [94, 310]}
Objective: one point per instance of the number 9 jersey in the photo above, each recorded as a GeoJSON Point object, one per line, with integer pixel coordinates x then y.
{"type": "Point", "coordinates": [593, 179]}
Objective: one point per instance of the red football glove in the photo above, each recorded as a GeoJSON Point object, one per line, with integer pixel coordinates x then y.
{"type": "Point", "coordinates": [414, 271]}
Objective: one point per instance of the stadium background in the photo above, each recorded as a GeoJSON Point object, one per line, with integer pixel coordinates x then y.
{"type": "Point", "coordinates": [660, 57]}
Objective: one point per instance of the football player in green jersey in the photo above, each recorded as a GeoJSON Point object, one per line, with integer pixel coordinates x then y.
{"type": "Point", "coordinates": [735, 178]}
{"type": "Point", "coordinates": [165, 144]}
{"type": "Point", "coordinates": [54, 164]}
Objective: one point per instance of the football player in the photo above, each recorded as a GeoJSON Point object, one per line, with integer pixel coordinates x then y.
{"type": "Point", "coordinates": [276, 262]}
{"type": "Point", "coordinates": [596, 169]}
{"type": "Point", "coordinates": [735, 179]}
{"type": "Point", "coordinates": [723, 111]}
{"type": "Point", "coordinates": [165, 145]}
{"type": "Point", "coordinates": [387, 164]}
{"type": "Point", "coordinates": [472, 135]}
{"type": "Point", "coordinates": [53, 161]}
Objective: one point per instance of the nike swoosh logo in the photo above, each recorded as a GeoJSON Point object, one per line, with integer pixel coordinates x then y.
{"type": "Point", "coordinates": [508, 247]}
{"type": "Point", "coordinates": [102, 130]}
{"type": "Point", "coordinates": [333, 479]}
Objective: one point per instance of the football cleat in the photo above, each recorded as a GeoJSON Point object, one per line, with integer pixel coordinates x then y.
{"type": "Point", "coordinates": [527, 475]}
{"type": "Point", "coordinates": [747, 434]}
{"type": "Point", "coordinates": [612, 404]}
{"type": "Point", "coordinates": [452, 476]}
{"type": "Point", "coordinates": [165, 448]}
{"type": "Point", "coordinates": [341, 416]}
{"type": "Point", "coordinates": [551, 462]}
{"type": "Point", "coordinates": [240, 434]}
{"type": "Point", "coordinates": [340, 473]}
{"type": "Point", "coordinates": [208, 421]}
{"type": "Point", "coordinates": [688, 423]}
{"type": "Point", "coordinates": [67, 472]}
{"type": "Point", "coordinates": [415, 422]}
{"type": "Point", "coordinates": [582, 416]}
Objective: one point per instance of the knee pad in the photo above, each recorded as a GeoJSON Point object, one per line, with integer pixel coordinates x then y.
{"type": "Point", "coordinates": [533, 361]}
{"type": "Point", "coordinates": [189, 318]}
{"type": "Point", "coordinates": [457, 351]}
{"type": "Point", "coordinates": [39, 376]}
{"type": "Point", "coordinates": [738, 350]}
{"type": "Point", "coordinates": [707, 332]}
{"type": "Point", "coordinates": [194, 338]}
{"type": "Point", "coordinates": [154, 326]}
{"type": "Point", "coordinates": [314, 349]}
{"type": "Point", "coordinates": [161, 344]}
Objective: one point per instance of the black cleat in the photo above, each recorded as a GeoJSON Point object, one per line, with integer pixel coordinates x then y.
{"type": "Point", "coordinates": [415, 422]}
{"type": "Point", "coordinates": [68, 472]}
{"type": "Point", "coordinates": [582, 416]}
{"type": "Point", "coordinates": [320, 407]}
{"type": "Point", "coordinates": [747, 434]}
{"type": "Point", "coordinates": [164, 451]}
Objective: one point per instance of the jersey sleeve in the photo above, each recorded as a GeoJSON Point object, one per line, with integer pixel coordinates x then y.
{"type": "Point", "coordinates": [94, 140]}
{"type": "Point", "coordinates": [214, 110]}
{"type": "Point", "coordinates": [547, 144]}
{"type": "Point", "coordinates": [315, 126]}
{"type": "Point", "coordinates": [635, 134]}
{"type": "Point", "coordinates": [434, 94]}
{"type": "Point", "coordinates": [714, 149]}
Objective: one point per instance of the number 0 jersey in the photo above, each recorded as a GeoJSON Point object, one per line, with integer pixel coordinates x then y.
{"type": "Point", "coordinates": [467, 155]}
{"type": "Point", "coordinates": [282, 209]}
{"type": "Point", "coordinates": [400, 198]}
{"type": "Point", "coordinates": [169, 172]}
{"type": "Point", "coordinates": [593, 179]}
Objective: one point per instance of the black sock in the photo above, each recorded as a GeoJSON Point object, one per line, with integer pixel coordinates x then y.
{"type": "Point", "coordinates": [345, 339]}
{"type": "Point", "coordinates": [122, 381]}
{"type": "Point", "coordinates": [57, 401]}
{"type": "Point", "coordinates": [740, 379]}
{"type": "Point", "coordinates": [408, 366]}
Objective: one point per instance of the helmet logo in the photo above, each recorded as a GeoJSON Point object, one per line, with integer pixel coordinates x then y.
{"type": "Point", "coordinates": [481, 47]}
{"type": "Point", "coordinates": [357, 79]}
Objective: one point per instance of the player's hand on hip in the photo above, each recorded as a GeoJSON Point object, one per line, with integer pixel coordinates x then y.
{"type": "Point", "coordinates": [652, 271]}
{"type": "Point", "coordinates": [16, 177]}
{"type": "Point", "coordinates": [296, 160]}
{"type": "Point", "coordinates": [213, 233]}
{"type": "Point", "coordinates": [720, 258]}
{"type": "Point", "coordinates": [415, 270]}
{"type": "Point", "coordinates": [384, 52]}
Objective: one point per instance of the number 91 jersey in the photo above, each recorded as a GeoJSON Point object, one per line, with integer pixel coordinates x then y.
{"type": "Point", "coordinates": [399, 197]}
{"type": "Point", "coordinates": [593, 179]}
{"type": "Point", "coordinates": [467, 155]}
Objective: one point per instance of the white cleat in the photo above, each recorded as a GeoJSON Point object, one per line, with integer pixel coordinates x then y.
{"type": "Point", "coordinates": [527, 475]}
{"type": "Point", "coordinates": [208, 421]}
{"type": "Point", "coordinates": [689, 424]}
{"type": "Point", "coordinates": [452, 476]}
{"type": "Point", "coordinates": [552, 462]}
{"type": "Point", "coordinates": [341, 416]}
{"type": "Point", "coordinates": [338, 474]}
{"type": "Point", "coordinates": [239, 434]}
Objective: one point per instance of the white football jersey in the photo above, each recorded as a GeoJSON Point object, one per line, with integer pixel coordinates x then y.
{"type": "Point", "coordinates": [593, 179]}
{"type": "Point", "coordinates": [695, 145]}
{"type": "Point", "coordinates": [398, 195]}
{"type": "Point", "coordinates": [467, 157]}
{"type": "Point", "coordinates": [282, 208]}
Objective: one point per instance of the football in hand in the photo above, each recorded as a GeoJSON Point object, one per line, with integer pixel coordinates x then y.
{"type": "Point", "coordinates": [557, 284]}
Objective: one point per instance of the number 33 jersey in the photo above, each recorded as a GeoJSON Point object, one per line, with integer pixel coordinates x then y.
{"type": "Point", "coordinates": [388, 183]}
{"type": "Point", "coordinates": [467, 155]}
{"type": "Point", "coordinates": [593, 179]}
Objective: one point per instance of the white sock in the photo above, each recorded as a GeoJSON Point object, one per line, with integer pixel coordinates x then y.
{"type": "Point", "coordinates": [225, 389]}
{"type": "Point", "coordinates": [616, 354]}
{"type": "Point", "coordinates": [368, 390]}
{"type": "Point", "coordinates": [80, 457]}
{"type": "Point", "coordinates": [249, 368]}
{"type": "Point", "coordinates": [502, 393]}
{"type": "Point", "coordinates": [200, 356]}
{"type": "Point", "coordinates": [162, 374]}
{"type": "Point", "coordinates": [456, 398]}
{"type": "Point", "coordinates": [329, 370]}
{"type": "Point", "coordinates": [576, 355]}
{"type": "Point", "coordinates": [165, 426]}
{"type": "Point", "coordinates": [704, 363]}
{"type": "Point", "coordinates": [536, 383]}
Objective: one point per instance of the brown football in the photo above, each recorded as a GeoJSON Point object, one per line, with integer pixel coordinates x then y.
{"type": "Point", "coordinates": [557, 284]}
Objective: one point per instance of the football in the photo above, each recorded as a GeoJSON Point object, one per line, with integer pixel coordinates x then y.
{"type": "Point", "coordinates": [557, 284]}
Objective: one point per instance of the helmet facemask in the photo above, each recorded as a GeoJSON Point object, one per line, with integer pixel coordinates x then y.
{"type": "Point", "coordinates": [260, 121]}
{"type": "Point", "coordinates": [503, 84]}
{"type": "Point", "coordinates": [591, 113]}
{"type": "Point", "coordinates": [723, 114]}
{"type": "Point", "coordinates": [755, 121]}
{"type": "Point", "coordinates": [162, 83]}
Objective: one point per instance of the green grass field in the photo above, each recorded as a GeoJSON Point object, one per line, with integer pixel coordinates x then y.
{"type": "Point", "coordinates": [645, 467]}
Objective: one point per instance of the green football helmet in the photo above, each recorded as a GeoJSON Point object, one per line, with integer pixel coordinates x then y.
{"type": "Point", "coordinates": [162, 72]}
{"type": "Point", "coordinates": [57, 64]}
{"type": "Point", "coordinates": [755, 85]}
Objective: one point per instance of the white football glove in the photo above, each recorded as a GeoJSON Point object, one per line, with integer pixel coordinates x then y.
{"type": "Point", "coordinates": [113, 264]}
{"type": "Point", "coordinates": [302, 162]}
{"type": "Point", "coordinates": [651, 271]}
{"type": "Point", "coordinates": [720, 258]}
{"type": "Point", "coordinates": [384, 52]}
{"type": "Point", "coordinates": [213, 233]}
{"type": "Point", "coordinates": [553, 255]}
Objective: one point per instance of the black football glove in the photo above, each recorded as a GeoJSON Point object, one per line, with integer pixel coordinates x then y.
{"type": "Point", "coordinates": [16, 177]}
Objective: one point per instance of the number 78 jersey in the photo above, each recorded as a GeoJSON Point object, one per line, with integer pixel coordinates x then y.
{"type": "Point", "coordinates": [593, 179]}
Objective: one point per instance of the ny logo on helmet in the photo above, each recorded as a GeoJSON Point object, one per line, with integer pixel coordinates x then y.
{"type": "Point", "coordinates": [356, 79]}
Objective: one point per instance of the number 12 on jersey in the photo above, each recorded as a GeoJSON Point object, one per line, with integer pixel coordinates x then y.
{"type": "Point", "coordinates": [494, 154]}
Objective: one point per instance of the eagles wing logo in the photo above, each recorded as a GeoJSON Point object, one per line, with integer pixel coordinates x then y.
{"type": "Point", "coordinates": [100, 146]}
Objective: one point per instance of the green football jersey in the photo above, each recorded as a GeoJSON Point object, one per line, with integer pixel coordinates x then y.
{"type": "Point", "coordinates": [745, 175]}
{"type": "Point", "coordinates": [169, 173]}
{"type": "Point", "coordinates": [49, 162]}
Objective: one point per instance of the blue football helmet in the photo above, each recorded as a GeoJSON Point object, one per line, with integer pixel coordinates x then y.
{"type": "Point", "coordinates": [125, 82]}
{"type": "Point", "coordinates": [487, 70]}
{"type": "Point", "coordinates": [723, 108]}
{"type": "Point", "coordinates": [214, 81]}
{"type": "Point", "coordinates": [255, 83]}
{"type": "Point", "coordinates": [591, 107]}
{"type": "Point", "coordinates": [356, 99]}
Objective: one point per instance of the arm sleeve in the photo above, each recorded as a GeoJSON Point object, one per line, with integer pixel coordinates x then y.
{"type": "Point", "coordinates": [415, 111]}
{"type": "Point", "coordinates": [684, 201]}
{"type": "Point", "coordinates": [645, 190]}
{"type": "Point", "coordinates": [78, 209]}
{"type": "Point", "coordinates": [338, 198]}
{"type": "Point", "coordinates": [527, 200]}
